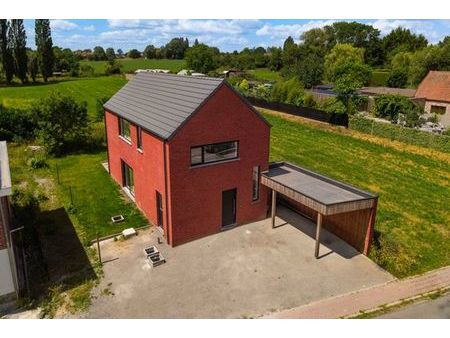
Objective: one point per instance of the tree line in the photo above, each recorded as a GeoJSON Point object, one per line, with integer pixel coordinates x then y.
{"type": "Point", "coordinates": [17, 59]}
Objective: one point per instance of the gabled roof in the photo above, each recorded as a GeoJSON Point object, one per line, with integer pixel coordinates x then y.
{"type": "Point", "coordinates": [5, 176]}
{"type": "Point", "coordinates": [161, 103]}
{"type": "Point", "coordinates": [435, 87]}
{"type": "Point", "coordinates": [387, 90]}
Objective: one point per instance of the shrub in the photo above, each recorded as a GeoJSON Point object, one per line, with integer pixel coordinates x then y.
{"type": "Point", "coordinates": [87, 70]}
{"type": "Point", "coordinates": [399, 133]}
{"type": "Point", "coordinates": [62, 122]}
{"type": "Point", "coordinates": [287, 91]}
{"type": "Point", "coordinates": [100, 112]}
{"type": "Point", "coordinates": [398, 78]}
{"type": "Point", "coordinates": [243, 85]}
{"type": "Point", "coordinates": [113, 67]}
{"type": "Point", "coordinates": [38, 162]}
{"type": "Point", "coordinates": [16, 124]}
{"type": "Point", "coordinates": [391, 107]}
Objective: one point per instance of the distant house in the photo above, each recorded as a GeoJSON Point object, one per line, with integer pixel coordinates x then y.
{"type": "Point", "coordinates": [232, 72]}
{"type": "Point", "coordinates": [189, 151]}
{"type": "Point", "coordinates": [7, 266]}
{"type": "Point", "coordinates": [434, 90]}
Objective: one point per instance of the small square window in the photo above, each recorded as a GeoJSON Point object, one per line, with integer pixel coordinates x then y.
{"type": "Point", "coordinates": [124, 129]}
{"type": "Point", "coordinates": [139, 137]}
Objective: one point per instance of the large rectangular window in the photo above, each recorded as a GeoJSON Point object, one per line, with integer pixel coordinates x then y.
{"type": "Point", "coordinates": [255, 190]}
{"type": "Point", "coordinates": [139, 137]}
{"type": "Point", "coordinates": [216, 152]}
{"type": "Point", "coordinates": [127, 177]}
{"type": "Point", "coordinates": [124, 129]}
{"type": "Point", "coordinates": [440, 110]}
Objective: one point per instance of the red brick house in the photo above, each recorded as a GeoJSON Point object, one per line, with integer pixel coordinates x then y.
{"type": "Point", "coordinates": [189, 151]}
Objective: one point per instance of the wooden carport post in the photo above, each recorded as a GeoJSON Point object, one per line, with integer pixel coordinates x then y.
{"type": "Point", "coordinates": [274, 207]}
{"type": "Point", "coordinates": [318, 229]}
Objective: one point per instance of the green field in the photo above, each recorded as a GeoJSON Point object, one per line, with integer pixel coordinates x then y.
{"type": "Point", "coordinates": [264, 74]}
{"type": "Point", "coordinates": [130, 65]}
{"type": "Point", "coordinates": [82, 89]}
{"type": "Point", "coordinates": [413, 220]}
{"type": "Point", "coordinates": [379, 78]}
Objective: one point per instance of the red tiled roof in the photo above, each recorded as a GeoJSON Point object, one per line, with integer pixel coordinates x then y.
{"type": "Point", "coordinates": [435, 87]}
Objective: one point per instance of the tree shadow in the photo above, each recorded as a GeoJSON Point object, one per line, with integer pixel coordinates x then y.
{"type": "Point", "coordinates": [62, 259]}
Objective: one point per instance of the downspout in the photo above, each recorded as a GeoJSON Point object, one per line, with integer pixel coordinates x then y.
{"type": "Point", "coordinates": [166, 194]}
{"type": "Point", "coordinates": [9, 245]}
{"type": "Point", "coordinates": [106, 139]}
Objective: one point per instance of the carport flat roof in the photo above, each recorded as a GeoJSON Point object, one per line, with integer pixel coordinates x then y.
{"type": "Point", "coordinates": [316, 191]}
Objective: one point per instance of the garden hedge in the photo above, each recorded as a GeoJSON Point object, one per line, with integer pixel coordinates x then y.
{"type": "Point", "coordinates": [399, 133]}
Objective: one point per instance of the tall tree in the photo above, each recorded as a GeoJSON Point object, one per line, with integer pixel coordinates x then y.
{"type": "Point", "coordinates": [341, 54]}
{"type": "Point", "coordinates": [110, 54]}
{"type": "Point", "coordinates": [402, 40]}
{"type": "Point", "coordinates": [44, 46]}
{"type": "Point", "coordinates": [18, 38]}
{"type": "Point", "coordinates": [5, 50]}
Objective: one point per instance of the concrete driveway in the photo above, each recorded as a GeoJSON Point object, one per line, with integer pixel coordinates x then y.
{"type": "Point", "coordinates": [244, 272]}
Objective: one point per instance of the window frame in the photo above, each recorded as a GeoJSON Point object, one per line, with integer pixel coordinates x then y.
{"type": "Point", "coordinates": [439, 108]}
{"type": "Point", "coordinates": [126, 178]}
{"type": "Point", "coordinates": [121, 129]}
{"type": "Point", "coordinates": [258, 183]}
{"type": "Point", "coordinates": [203, 146]}
{"type": "Point", "coordinates": [139, 138]}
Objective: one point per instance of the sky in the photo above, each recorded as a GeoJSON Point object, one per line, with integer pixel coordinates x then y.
{"type": "Point", "coordinates": [228, 35]}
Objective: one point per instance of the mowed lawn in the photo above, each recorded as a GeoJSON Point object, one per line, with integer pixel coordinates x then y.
{"type": "Point", "coordinates": [413, 220]}
{"type": "Point", "coordinates": [82, 89]}
{"type": "Point", "coordinates": [130, 65]}
{"type": "Point", "coordinates": [264, 74]}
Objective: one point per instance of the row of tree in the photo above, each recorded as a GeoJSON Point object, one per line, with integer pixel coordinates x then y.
{"type": "Point", "coordinates": [17, 59]}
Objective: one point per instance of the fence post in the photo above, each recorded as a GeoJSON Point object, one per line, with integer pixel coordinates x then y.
{"type": "Point", "coordinates": [71, 197]}
{"type": "Point", "coordinates": [57, 173]}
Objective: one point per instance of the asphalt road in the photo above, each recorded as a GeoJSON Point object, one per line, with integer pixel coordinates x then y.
{"type": "Point", "coordinates": [431, 309]}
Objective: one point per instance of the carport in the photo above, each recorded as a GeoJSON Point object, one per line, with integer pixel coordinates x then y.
{"type": "Point", "coordinates": [344, 210]}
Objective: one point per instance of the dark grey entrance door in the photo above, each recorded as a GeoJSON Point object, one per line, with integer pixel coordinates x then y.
{"type": "Point", "coordinates": [159, 209]}
{"type": "Point", "coordinates": [228, 207]}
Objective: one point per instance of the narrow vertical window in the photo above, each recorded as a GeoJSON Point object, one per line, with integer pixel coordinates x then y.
{"type": "Point", "coordinates": [127, 177]}
{"type": "Point", "coordinates": [124, 129]}
{"type": "Point", "coordinates": [255, 190]}
{"type": "Point", "coordinates": [139, 137]}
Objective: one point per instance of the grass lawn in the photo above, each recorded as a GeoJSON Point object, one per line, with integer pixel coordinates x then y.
{"type": "Point", "coordinates": [130, 65]}
{"type": "Point", "coordinates": [413, 220]}
{"type": "Point", "coordinates": [82, 89]}
{"type": "Point", "coordinates": [264, 74]}
{"type": "Point", "coordinates": [95, 196]}
{"type": "Point", "coordinates": [379, 78]}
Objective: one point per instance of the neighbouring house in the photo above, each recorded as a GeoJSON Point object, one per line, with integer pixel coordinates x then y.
{"type": "Point", "coordinates": [189, 151]}
{"type": "Point", "coordinates": [8, 277]}
{"type": "Point", "coordinates": [194, 156]}
{"type": "Point", "coordinates": [233, 72]}
{"type": "Point", "coordinates": [434, 90]}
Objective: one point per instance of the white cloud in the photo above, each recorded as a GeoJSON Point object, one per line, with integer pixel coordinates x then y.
{"type": "Point", "coordinates": [425, 27]}
{"type": "Point", "coordinates": [63, 25]}
{"type": "Point", "coordinates": [89, 28]}
{"type": "Point", "coordinates": [294, 30]}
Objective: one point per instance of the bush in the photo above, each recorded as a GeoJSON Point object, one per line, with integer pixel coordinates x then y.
{"type": "Point", "coordinates": [87, 70]}
{"type": "Point", "coordinates": [100, 112]}
{"type": "Point", "coordinates": [288, 91]}
{"type": "Point", "coordinates": [243, 85]}
{"type": "Point", "coordinates": [399, 133]}
{"type": "Point", "coordinates": [16, 124]}
{"type": "Point", "coordinates": [391, 107]}
{"type": "Point", "coordinates": [38, 162]}
{"type": "Point", "coordinates": [62, 123]}
{"type": "Point", "coordinates": [398, 78]}
{"type": "Point", "coordinates": [113, 67]}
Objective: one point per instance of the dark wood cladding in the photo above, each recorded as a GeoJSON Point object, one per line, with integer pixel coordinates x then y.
{"type": "Point", "coordinates": [354, 227]}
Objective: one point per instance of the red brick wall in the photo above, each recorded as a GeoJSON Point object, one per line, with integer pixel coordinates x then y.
{"type": "Point", "coordinates": [148, 166]}
{"type": "Point", "coordinates": [196, 193]}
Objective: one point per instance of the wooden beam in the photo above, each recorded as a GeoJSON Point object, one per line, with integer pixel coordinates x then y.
{"type": "Point", "coordinates": [274, 207]}
{"type": "Point", "coordinates": [318, 229]}
{"type": "Point", "coordinates": [370, 228]}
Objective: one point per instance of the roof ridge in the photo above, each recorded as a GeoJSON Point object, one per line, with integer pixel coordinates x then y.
{"type": "Point", "coordinates": [182, 76]}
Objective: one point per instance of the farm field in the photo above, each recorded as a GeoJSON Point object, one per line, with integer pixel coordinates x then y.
{"type": "Point", "coordinates": [130, 65]}
{"type": "Point", "coordinates": [413, 220]}
{"type": "Point", "coordinates": [82, 89]}
{"type": "Point", "coordinates": [264, 74]}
